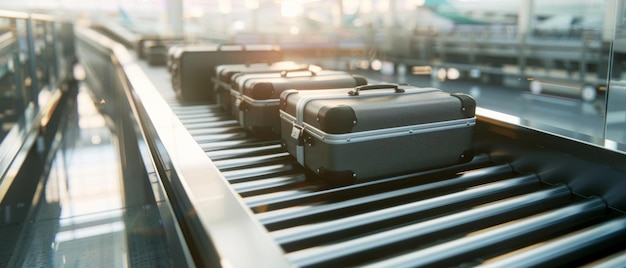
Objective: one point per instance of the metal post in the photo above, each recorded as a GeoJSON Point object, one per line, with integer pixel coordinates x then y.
{"type": "Point", "coordinates": [32, 60]}
{"type": "Point", "coordinates": [582, 65]}
{"type": "Point", "coordinates": [524, 18]}
{"type": "Point", "coordinates": [392, 21]}
{"type": "Point", "coordinates": [523, 28]}
{"type": "Point", "coordinates": [19, 83]}
{"type": "Point", "coordinates": [174, 17]}
{"type": "Point", "coordinates": [54, 53]}
{"type": "Point", "coordinates": [17, 71]}
{"type": "Point", "coordinates": [47, 56]}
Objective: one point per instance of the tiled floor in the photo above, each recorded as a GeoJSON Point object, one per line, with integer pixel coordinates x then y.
{"type": "Point", "coordinates": [82, 219]}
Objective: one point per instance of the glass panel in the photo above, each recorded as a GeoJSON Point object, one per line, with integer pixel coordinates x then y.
{"type": "Point", "coordinates": [616, 101]}
{"type": "Point", "coordinates": [545, 62]}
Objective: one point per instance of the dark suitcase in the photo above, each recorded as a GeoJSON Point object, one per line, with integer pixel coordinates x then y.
{"type": "Point", "coordinates": [155, 53]}
{"type": "Point", "coordinates": [224, 74]}
{"type": "Point", "coordinates": [163, 40]}
{"type": "Point", "coordinates": [193, 67]}
{"type": "Point", "coordinates": [368, 132]}
{"type": "Point", "coordinates": [239, 80]}
{"type": "Point", "coordinates": [256, 99]}
{"type": "Point", "coordinates": [173, 50]}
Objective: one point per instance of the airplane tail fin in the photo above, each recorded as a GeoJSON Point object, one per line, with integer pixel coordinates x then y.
{"type": "Point", "coordinates": [125, 17]}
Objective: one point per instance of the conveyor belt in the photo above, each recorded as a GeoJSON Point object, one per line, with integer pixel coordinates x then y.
{"type": "Point", "coordinates": [460, 215]}
{"type": "Point", "coordinates": [567, 212]}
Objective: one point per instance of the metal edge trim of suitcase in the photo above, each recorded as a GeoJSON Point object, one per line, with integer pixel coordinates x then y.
{"type": "Point", "coordinates": [260, 103]}
{"type": "Point", "coordinates": [301, 103]}
{"type": "Point", "coordinates": [369, 135]}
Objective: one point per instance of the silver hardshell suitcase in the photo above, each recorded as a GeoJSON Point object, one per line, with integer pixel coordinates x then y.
{"type": "Point", "coordinates": [225, 73]}
{"type": "Point", "coordinates": [256, 101]}
{"type": "Point", "coordinates": [351, 134]}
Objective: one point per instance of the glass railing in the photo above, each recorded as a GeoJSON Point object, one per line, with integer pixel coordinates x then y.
{"type": "Point", "coordinates": [557, 67]}
{"type": "Point", "coordinates": [112, 77]}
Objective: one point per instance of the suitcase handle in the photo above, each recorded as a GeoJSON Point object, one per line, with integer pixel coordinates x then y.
{"type": "Point", "coordinates": [220, 46]}
{"type": "Point", "coordinates": [249, 63]}
{"type": "Point", "coordinates": [306, 69]}
{"type": "Point", "coordinates": [356, 90]}
{"type": "Point", "coordinates": [266, 62]}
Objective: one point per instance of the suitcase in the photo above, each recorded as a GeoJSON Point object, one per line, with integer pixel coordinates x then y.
{"type": "Point", "coordinates": [155, 53]}
{"type": "Point", "coordinates": [140, 46]}
{"type": "Point", "coordinates": [238, 82]}
{"type": "Point", "coordinates": [256, 99]}
{"type": "Point", "coordinates": [193, 67]}
{"type": "Point", "coordinates": [173, 50]}
{"type": "Point", "coordinates": [352, 134]}
{"type": "Point", "coordinates": [224, 74]}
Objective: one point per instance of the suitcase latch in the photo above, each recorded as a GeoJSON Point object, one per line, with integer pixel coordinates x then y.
{"type": "Point", "coordinates": [297, 132]}
{"type": "Point", "coordinates": [240, 104]}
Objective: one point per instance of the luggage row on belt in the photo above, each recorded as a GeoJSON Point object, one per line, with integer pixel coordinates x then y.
{"type": "Point", "coordinates": [334, 123]}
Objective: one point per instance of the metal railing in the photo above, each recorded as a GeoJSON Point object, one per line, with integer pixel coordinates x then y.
{"type": "Point", "coordinates": [110, 78]}
{"type": "Point", "coordinates": [197, 206]}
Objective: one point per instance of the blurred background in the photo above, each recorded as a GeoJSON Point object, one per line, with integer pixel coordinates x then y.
{"type": "Point", "coordinates": [87, 176]}
{"type": "Point", "coordinates": [555, 65]}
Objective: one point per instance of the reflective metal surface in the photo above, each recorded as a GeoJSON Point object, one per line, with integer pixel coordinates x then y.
{"type": "Point", "coordinates": [82, 218]}
{"type": "Point", "coordinates": [487, 241]}
{"type": "Point", "coordinates": [592, 239]}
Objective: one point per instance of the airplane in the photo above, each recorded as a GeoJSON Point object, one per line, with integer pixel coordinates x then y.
{"type": "Point", "coordinates": [554, 14]}
{"type": "Point", "coordinates": [475, 12]}
{"type": "Point", "coordinates": [144, 25]}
